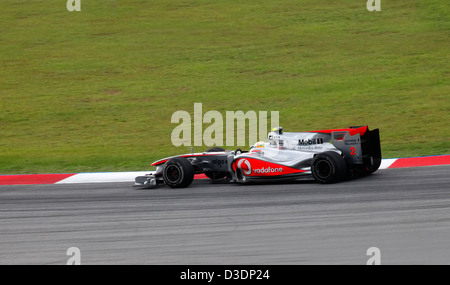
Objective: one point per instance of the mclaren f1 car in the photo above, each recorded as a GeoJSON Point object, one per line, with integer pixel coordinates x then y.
{"type": "Point", "coordinates": [328, 156]}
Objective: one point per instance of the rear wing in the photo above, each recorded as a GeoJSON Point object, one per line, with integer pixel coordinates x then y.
{"type": "Point", "coordinates": [359, 147]}
{"type": "Point", "coordinates": [371, 150]}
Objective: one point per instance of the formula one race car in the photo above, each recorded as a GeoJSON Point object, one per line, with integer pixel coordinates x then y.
{"type": "Point", "coordinates": [328, 156]}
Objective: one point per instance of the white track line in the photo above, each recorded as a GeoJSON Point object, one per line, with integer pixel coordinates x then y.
{"type": "Point", "coordinates": [386, 163]}
{"type": "Point", "coordinates": [105, 177]}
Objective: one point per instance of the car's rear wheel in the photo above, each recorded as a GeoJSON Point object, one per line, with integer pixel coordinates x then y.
{"type": "Point", "coordinates": [214, 175]}
{"type": "Point", "coordinates": [178, 172]}
{"type": "Point", "coordinates": [329, 167]}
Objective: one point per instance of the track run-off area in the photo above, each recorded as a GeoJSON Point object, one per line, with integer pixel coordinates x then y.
{"type": "Point", "coordinates": [405, 212]}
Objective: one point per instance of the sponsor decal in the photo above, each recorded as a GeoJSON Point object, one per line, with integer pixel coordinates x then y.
{"type": "Point", "coordinates": [269, 170]}
{"type": "Point", "coordinates": [352, 141]}
{"type": "Point", "coordinates": [218, 162]}
{"type": "Point", "coordinates": [306, 148]}
{"type": "Point", "coordinates": [310, 141]}
{"type": "Point", "coordinates": [247, 168]}
{"type": "Point", "coordinates": [256, 167]}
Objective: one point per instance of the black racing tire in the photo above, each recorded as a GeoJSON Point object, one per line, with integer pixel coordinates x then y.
{"type": "Point", "coordinates": [212, 174]}
{"type": "Point", "coordinates": [178, 172]}
{"type": "Point", "coordinates": [329, 167]}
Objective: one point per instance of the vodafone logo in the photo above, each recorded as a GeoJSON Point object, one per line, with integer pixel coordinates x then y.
{"type": "Point", "coordinates": [269, 170]}
{"type": "Point", "coordinates": [246, 168]}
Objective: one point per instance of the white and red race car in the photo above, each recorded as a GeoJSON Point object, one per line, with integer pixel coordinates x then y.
{"type": "Point", "coordinates": [327, 155]}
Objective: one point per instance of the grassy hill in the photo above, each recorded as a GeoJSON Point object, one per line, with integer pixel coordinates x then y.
{"type": "Point", "coordinates": [95, 90]}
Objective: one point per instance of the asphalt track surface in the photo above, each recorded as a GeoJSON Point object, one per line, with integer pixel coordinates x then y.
{"type": "Point", "coordinates": [404, 212]}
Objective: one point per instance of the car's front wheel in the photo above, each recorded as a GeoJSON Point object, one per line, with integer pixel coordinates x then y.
{"type": "Point", "coordinates": [329, 167]}
{"type": "Point", "coordinates": [178, 172]}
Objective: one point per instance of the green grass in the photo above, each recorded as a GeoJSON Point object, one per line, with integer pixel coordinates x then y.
{"type": "Point", "coordinates": [95, 90]}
